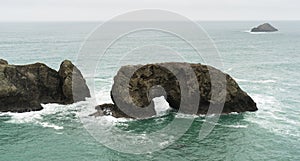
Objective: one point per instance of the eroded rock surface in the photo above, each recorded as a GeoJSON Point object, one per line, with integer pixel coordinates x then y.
{"type": "Point", "coordinates": [24, 87]}
{"type": "Point", "coordinates": [135, 86]}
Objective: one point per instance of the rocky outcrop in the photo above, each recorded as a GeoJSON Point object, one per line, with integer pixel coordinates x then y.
{"type": "Point", "coordinates": [24, 87]}
{"type": "Point", "coordinates": [153, 80]}
{"type": "Point", "coordinates": [3, 62]}
{"type": "Point", "coordinates": [266, 27]}
{"type": "Point", "coordinates": [74, 87]}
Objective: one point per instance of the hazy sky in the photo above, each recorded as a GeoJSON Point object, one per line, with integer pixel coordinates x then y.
{"type": "Point", "coordinates": [90, 10]}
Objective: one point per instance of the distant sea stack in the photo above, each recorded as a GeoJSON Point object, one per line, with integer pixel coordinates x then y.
{"type": "Point", "coordinates": [266, 27]}
{"type": "Point", "coordinates": [24, 87]}
{"type": "Point", "coordinates": [146, 77]}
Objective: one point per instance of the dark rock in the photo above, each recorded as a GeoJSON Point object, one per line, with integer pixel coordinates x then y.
{"type": "Point", "coordinates": [24, 87]}
{"type": "Point", "coordinates": [149, 77]}
{"type": "Point", "coordinates": [3, 62]}
{"type": "Point", "coordinates": [266, 27]}
{"type": "Point", "coordinates": [74, 87]}
{"type": "Point", "coordinates": [109, 109]}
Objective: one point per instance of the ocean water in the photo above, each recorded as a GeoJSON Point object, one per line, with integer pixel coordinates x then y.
{"type": "Point", "coordinates": [265, 65]}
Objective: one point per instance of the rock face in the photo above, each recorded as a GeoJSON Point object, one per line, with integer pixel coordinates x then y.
{"type": "Point", "coordinates": [74, 87]}
{"type": "Point", "coordinates": [266, 27]}
{"type": "Point", "coordinates": [24, 87]}
{"type": "Point", "coordinates": [148, 81]}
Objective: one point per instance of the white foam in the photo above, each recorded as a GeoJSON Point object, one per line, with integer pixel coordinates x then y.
{"type": "Point", "coordinates": [247, 31]}
{"type": "Point", "coordinates": [46, 124]}
{"type": "Point", "coordinates": [235, 126]}
{"type": "Point", "coordinates": [161, 105]}
{"type": "Point", "coordinates": [260, 33]}
{"type": "Point", "coordinates": [80, 109]}
{"type": "Point", "coordinates": [163, 144]}
{"type": "Point", "coordinates": [256, 81]}
{"type": "Point", "coordinates": [187, 116]}
{"type": "Point", "coordinates": [36, 117]}
{"type": "Point", "coordinates": [105, 121]}
{"type": "Point", "coordinates": [103, 96]}
{"type": "Point", "coordinates": [272, 117]}
{"type": "Point", "coordinates": [234, 113]}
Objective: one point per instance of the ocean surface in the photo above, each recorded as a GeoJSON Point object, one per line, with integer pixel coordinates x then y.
{"type": "Point", "coordinates": [266, 66]}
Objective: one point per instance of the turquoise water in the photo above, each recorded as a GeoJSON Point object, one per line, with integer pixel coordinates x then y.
{"type": "Point", "coordinates": [265, 66]}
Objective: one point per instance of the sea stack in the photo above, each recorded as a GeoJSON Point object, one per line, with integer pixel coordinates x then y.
{"type": "Point", "coordinates": [141, 90]}
{"type": "Point", "coordinates": [24, 87]}
{"type": "Point", "coordinates": [266, 27]}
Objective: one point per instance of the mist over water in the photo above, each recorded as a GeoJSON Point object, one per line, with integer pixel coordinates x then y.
{"type": "Point", "coordinates": [265, 66]}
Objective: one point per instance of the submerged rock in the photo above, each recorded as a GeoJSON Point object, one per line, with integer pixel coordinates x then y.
{"type": "Point", "coordinates": [24, 87]}
{"type": "Point", "coordinates": [109, 109]}
{"type": "Point", "coordinates": [266, 27]}
{"type": "Point", "coordinates": [154, 80]}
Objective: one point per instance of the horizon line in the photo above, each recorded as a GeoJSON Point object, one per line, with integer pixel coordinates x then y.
{"type": "Point", "coordinates": [12, 21]}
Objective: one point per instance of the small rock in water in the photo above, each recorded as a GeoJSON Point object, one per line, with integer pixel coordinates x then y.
{"type": "Point", "coordinates": [109, 109]}
{"type": "Point", "coordinates": [266, 27]}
